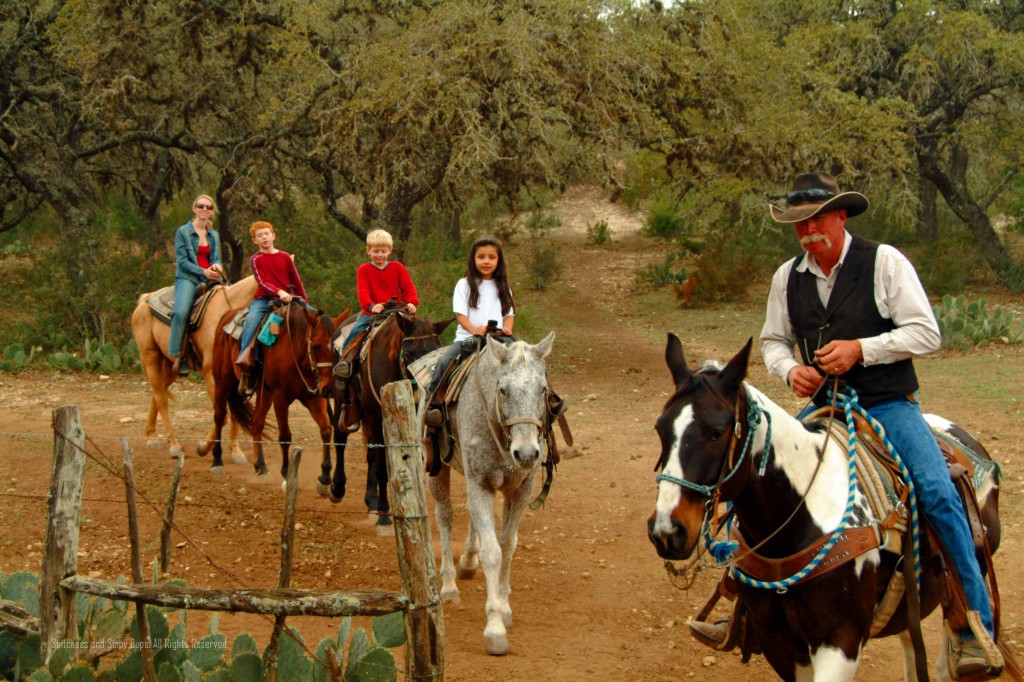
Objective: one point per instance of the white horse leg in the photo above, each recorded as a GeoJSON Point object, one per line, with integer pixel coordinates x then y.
{"type": "Point", "coordinates": [470, 559]}
{"type": "Point", "coordinates": [480, 503]}
{"type": "Point", "coordinates": [830, 664]}
{"type": "Point", "coordinates": [440, 490]}
{"type": "Point", "coordinates": [512, 514]}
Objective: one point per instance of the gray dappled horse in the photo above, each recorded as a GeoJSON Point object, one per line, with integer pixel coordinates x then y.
{"type": "Point", "coordinates": [498, 425]}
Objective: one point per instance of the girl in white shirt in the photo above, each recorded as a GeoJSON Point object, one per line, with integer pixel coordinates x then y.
{"type": "Point", "coordinates": [482, 296]}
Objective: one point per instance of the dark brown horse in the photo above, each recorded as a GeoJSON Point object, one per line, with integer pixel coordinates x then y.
{"type": "Point", "coordinates": [791, 486]}
{"type": "Point", "coordinates": [296, 367]}
{"type": "Point", "coordinates": [401, 339]}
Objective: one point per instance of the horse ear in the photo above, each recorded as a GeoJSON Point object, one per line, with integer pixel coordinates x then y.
{"type": "Point", "coordinates": [735, 372]}
{"type": "Point", "coordinates": [675, 360]}
{"type": "Point", "coordinates": [497, 348]}
{"type": "Point", "coordinates": [439, 327]}
{"type": "Point", "coordinates": [405, 324]}
{"type": "Point", "coordinates": [543, 349]}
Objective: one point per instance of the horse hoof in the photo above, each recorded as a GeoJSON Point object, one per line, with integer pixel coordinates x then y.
{"type": "Point", "coordinates": [385, 531]}
{"type": "Point", "coordinates": [217, 470]}
{"type": "Point", "coordinates": [201, 450]}
{"type": "Point", "coordinates": [284, 486]}
{"type": "Point", "coordinates": [322, 490]}
{"type": "Point", "coordinates": [262, 471]}
{"type": "Point", "coordinates": [496, 644]}
{"type": "Point", "coordinates": [238, 458]}
{"type": "Point", "coordinates": [371, 516]}
{"type": "Point", "coordinates": [176, 453]}
{"type": "Point", "coordinates": [466, 570]}
{"type": "Point", "coordinates": [451, 596]}
{"type": "Point", "coordinates": [154, 444]}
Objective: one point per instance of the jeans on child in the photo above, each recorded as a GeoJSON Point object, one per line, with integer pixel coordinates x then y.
{"type": "Point", "coordinates": [362, 322]}
{"type": "Point", "coordinates": [257, 309]}
{"type": "Point", "coordinates": [184, 297]}
{"type": "Point", "coordinates": [937, 499]}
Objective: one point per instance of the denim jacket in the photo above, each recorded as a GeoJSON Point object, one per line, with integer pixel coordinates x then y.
{"type": "Point", "coordinates": [186, 246]}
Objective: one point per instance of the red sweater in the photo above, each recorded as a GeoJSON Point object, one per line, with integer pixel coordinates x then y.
{"type": "Point", "coordinates": [274, 272]}
{"type": "Point", "coordinates": [374, 285]}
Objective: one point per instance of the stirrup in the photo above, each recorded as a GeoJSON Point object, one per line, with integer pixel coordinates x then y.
{"type": "Point", "coordinates": [435, 415]}
{"type": "Point", "coordinates": [342, 370]}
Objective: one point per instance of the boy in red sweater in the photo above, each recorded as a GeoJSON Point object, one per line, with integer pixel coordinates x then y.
{"type": "Point", "coordinates": [377, 282]}
{"type": "Point", "coordinates": [277, 278]}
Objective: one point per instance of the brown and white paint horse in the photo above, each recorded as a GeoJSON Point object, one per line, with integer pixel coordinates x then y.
{"type": "Point", "coordinates": [814, 629]}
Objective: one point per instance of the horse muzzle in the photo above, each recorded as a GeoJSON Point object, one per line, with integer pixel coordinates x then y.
{"type": "Point", "coordinates": [525, 454]}
{"type": "Point", "coordinates": [674, 543]}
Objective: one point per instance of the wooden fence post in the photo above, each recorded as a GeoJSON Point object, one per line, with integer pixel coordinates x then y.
{"type": "Point", "coordinates": [144, 642]}
{"type": "Point", "coordinates": [284, 577]}
{"type": "Point", "coordinates": [172, 500]}
{"type": "Point", "coordinates": [58, 618]}
{"type": "Point", "coordinates": [424, 620]}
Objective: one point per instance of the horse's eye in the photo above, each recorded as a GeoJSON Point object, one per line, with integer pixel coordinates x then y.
{"type": "Point", "coordinates": [504, 391]}
{"type": "Point", "coordinates": [716, 435]}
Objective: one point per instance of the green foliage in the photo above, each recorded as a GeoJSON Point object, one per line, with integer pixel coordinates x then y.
{"type": "Point", "coordinates": [14, 358]}
{"type": "Point", "coordinates": [389, 630]}
{"type": "Point", "coordinates": [599, 233]}
{"type": "Point", "coordinates": [947, 266]}
{"type": "Point", "coordinates": [80, 673]}
{"type": "Point", "coordinates": [965, 325]}
{"type": "Point", "coordinates": [665, 217]}
{"type": "Point", "coordinates": [724, 271]}
{"type": "Point", "coordinates": [542, 258]}
{"type": "Point", "coordinates": [105, 358]}
{"type": "Point", "coordinates": [669, 271]}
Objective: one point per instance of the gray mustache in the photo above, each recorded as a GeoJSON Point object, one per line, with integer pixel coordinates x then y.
{"type": "Point", "coordinates": [811, 238]}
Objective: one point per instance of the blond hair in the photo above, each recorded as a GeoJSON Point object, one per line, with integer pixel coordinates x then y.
{"type": "Point", "coordinates": [379, 238]}
{"type": "Point", "coordinates": [260, 225]}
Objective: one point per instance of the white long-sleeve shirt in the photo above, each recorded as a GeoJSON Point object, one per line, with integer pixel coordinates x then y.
{"type": "Point", "coordinates": [899, 296]}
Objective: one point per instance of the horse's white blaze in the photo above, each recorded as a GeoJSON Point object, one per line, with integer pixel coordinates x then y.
{"type": "Point", "coordinates": [670, 493]}
{"type": "Point", "coordinates": [831, 665]}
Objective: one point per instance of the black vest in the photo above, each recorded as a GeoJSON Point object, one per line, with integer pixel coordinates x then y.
{"type": "Point", "coordinates": [851, 314]}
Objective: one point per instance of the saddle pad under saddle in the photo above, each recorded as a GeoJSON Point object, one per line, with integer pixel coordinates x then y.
{"type": "Point", "coordinates": [234, 327]}
{"type": "Point", "coordinates": [162, 305]}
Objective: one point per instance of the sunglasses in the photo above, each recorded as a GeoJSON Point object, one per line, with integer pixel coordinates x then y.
{"type": "Point", "coordinates": [208, 207]}
{"type": "Point", "coordinates": [805, 196]}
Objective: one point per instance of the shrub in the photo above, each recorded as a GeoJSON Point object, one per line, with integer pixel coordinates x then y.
{"type": "Point", "coordinates": [669, 271]}
{"type": "Point", "coordinates": [724, 271]}
{"type": "Point", "coordinates": [599, 233]}
{"type": "Point", "coordinates": [964, 325]}
{"type": "Point", "coordinates": [14, 358]}
{"type": "Point", "coordinates": [664, 218]}
{"type": "Point", "coordinates": [543, 265]}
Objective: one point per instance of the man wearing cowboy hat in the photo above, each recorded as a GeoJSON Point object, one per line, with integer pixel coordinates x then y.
{"type": "Point", "coordinates": [857, 310]}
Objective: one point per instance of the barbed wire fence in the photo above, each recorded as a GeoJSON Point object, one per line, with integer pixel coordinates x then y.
{"type": "Point", "coordinates": [419, 599]}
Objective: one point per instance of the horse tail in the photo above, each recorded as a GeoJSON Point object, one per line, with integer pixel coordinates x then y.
{"type": "Point", "coordinates": [240, 408]}
{"type": "Point", "coordinates": [1012, 666]}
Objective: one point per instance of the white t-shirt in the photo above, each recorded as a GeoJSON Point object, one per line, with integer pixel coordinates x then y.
{"type": "Point", "coordinates": [488, 305]}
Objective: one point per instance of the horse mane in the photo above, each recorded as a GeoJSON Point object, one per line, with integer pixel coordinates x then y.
{"type": "Point", "coordinates": [518, 355]}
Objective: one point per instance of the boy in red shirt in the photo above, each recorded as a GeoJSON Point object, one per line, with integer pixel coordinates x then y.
{"type": "Point", "coordinates": [377, 282]}
{"type": "Point", "coordinates": [277, 278]}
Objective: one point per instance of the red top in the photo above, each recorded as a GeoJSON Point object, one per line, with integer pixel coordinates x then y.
{"type": "Point", "coordinates": [274, 272]}
{"type": "Point", "coordinates": [375, 285]}
{"type": "Point", "coordinates": [203, 256]}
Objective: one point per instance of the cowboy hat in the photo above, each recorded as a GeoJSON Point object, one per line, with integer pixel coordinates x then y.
{"type": "Point", "coordinates": [815, 193]}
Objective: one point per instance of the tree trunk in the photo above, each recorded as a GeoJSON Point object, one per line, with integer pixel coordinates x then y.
{"type": "Point", "coordinates": [234, 254]}
{"type": "Point", "coordinates": [454, 228]}
{"type": "Point", "coordinates": [952, 183]}
{"type": "Point", "coordinates": [927, 212]}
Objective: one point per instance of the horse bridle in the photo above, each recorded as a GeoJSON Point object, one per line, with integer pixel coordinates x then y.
{"type": "Point", "coordinates": [313, 364]}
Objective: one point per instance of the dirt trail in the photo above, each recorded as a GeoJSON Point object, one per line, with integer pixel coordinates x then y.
{"type": "Point", "coordinates": [591, 600]}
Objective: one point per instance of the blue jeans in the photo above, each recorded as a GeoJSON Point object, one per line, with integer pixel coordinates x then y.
{"type": "Point", "coordinates": [937, 499]}
{"type": "Point", "coordinates": [257, 309]}
{"type": "Point", "coordinates": [362, 322]}
{"type": "Point", "coordinates": [184, 297]}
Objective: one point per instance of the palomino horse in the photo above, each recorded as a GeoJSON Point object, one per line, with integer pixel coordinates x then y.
{"type": "Point", "coordinates": [498, 424]}
{"type": "Point", "coordinates": [296, 367]}
{"type": "Point", "coordinates": [400, 340]}
{"type": "Point", "coordinates": [790, 485]}
{"type": "Point", "coordinates": [152, 337]}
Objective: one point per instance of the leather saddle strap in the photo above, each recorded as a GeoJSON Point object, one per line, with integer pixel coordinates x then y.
{"type": "Point", "coordinates": [852, 543]}
{"type": "Point", "coordinates": [914, 612]}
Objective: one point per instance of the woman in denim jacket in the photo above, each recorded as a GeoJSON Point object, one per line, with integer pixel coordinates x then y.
{"type": "Point", "coordinates": [197, 261]}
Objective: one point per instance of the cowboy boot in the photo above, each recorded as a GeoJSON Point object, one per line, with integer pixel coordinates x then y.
{"type": "Point", "coordinates": [710, 634]}
{"type": "Point", "coordinates": [181, 366]}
